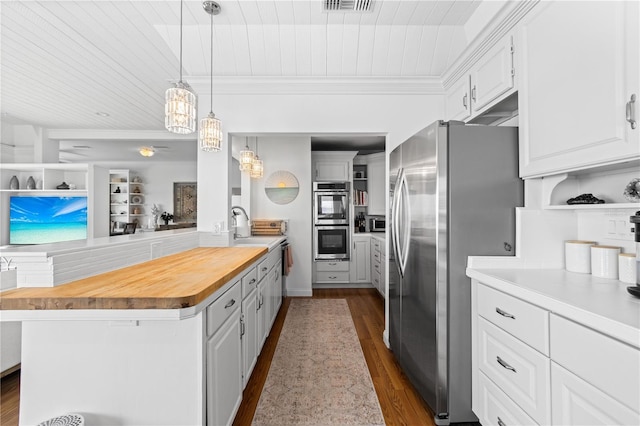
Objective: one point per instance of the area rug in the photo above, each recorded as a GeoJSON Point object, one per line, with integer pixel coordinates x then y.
{"type": "Point", "coordinates": [318, 375]}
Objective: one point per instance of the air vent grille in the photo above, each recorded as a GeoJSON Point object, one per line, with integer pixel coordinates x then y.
{"type": "Point", "coordinates": [342, 5]}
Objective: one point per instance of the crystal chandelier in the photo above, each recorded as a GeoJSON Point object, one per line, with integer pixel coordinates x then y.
{"type": "Point", "coordinates": [257, 167]}
{"type": "Point", "coordinates": [246, 158]}
{"type": "Point", "coordinates": [210, 134]}
{"type": "Point", "coordinates": [180, 107]}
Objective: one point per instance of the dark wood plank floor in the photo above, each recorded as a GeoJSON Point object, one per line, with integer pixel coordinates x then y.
{"type": "Point", "coordinates": [401, 405]}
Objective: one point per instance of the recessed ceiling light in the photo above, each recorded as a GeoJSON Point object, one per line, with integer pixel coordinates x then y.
{"type": "Point", "coordinates": [102, 114]}
{"type": "Point", "coordinates": [147, 151]}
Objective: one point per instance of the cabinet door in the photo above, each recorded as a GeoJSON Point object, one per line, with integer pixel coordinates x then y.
{"type": "Point", "coordinates": [383, 271]}
{"type": "Point", "coordinates": [261, 313]}
{"type": "Point", "coordinates": [576, 402]}
{"type": "Point", "coordinates": [277, 291]}
{"type": "Point", "coordinates": [361, 263]}
{"type": "Point", "coordinates": [458, 100]}
{"type": "Point", "coordinates": [250, 335]}
{"type": "Point", "coordinates": [376, 186]}
{"type": "Point", "coordinates": [224, 372]}
{"type": "Point", "coordinates": [492, 75]}
{"type": "Point", "coordinates": [578, 69]}
{"type": "Point", "coordinates": [332, 170]}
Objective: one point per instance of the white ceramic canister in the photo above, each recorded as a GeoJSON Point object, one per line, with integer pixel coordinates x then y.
{"type": "Point", "coordinates": [627, 267]}
{"type": "Point", "coordinates": [577, 256]}
{"type": "Point", "coordinates": [604, 261]}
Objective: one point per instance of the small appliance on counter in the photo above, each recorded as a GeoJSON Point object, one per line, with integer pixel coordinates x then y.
{"type": "Point", "coordinates": [635, 290]}
{"type": "Point", "coordinates": [377, 224]}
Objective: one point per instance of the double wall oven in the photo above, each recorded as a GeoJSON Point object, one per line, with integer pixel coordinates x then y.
{"type": "Point", "coordinates": [331, 220]}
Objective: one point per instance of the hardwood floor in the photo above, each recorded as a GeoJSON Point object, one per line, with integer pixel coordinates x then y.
{"type": "Point", "coordinates": [400, 403]}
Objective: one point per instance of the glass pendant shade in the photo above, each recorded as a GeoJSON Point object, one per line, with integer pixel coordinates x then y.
{"type": "Point", "coordinates": [257, 168]}
{"type": "Point", "coordinates": [246, 159]}
{"type": "Point", "coordinates": [210, 133]}
{"type": "Point", "coordinates": [180, 109]}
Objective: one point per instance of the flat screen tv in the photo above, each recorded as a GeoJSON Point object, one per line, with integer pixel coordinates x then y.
{"type": "Point", "coordinates": [40, 220]}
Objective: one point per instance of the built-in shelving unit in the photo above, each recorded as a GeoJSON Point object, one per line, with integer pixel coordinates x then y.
{"type": "Point", "coordinates": [126, 199]}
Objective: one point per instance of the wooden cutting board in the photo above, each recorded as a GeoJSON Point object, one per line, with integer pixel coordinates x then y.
{"type": "Point", "coordinates": [172, 282]}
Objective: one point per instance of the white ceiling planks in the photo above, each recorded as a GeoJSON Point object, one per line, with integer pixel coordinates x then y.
{"type": "Point", "coordinates": [62, 61]}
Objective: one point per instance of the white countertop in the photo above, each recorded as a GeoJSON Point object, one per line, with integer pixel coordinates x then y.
{"type": "Point", "coordinates": [72, 246]}
{"type": "Point", "coordinates": [269, 242]}
{"type": "Point", "coordinates": [601, 304]}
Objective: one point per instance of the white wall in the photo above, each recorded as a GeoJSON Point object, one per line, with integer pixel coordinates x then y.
{"type": "Point", "coordinates": [158, 179]}
{"type": "Point", "coordinates": [396, 115]}
{"type": "Point", "coordinates": [292, 154]}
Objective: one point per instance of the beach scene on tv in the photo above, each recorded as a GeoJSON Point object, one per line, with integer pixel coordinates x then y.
{"type": "Point", "coordinates": [40, 220]}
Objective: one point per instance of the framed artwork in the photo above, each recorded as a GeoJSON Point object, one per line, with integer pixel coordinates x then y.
{"type": "Point", "coordinates": [185, 201]}
{"type": "Point", "coordinates": [281, 187]}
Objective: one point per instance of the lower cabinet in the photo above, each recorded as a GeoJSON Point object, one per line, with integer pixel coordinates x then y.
{"type": "Point", "coordinates": [378, 260]}
{"type": "Point", "coordinates": [360, 259]}
{"type": "Point", "coordinates": [249, 334]}
{"type": "Point", "coordinates": [533, 366]}
{"type": "Point", "coordinates": [224, 372]}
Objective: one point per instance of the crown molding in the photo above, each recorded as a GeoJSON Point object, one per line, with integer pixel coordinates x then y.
{"type": "Point", "coordinates": [318, 85]}
{"type": "Point", "coordinates": [499, 27]}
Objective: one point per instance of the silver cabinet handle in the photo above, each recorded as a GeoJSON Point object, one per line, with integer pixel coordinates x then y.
{"type": "Point", "coordinates": [332, 278]}
{"type": "Point", "coordinates": [253, 280]}
{"type": "Point", "coordinates": [500, 422]}
{"type": "Point", "coordinates": [505, 314]}
{"type": "Point", "coordinates": [464, 100]}
{"type": "Point", "coordinates": [264, 268]}
{"type": "Point", "coordinates": [631, 111]}
{"type": "Point", "coordinates": [230, 303]}
{"type": "Point", "coordinates": [332, 263]}
{"type": "Point", "coordinates": [473, 94]}
{"type": "Point", "coordinates": [505, 365]}
{"type": "Point", "coordinates": [242, 326]}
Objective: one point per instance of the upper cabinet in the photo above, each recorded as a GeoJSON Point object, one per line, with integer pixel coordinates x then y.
{"type": "Point", "coordinates": [377, 180]}
{"type": "Point", "coordinates": [489, 80]}
{"type": "Point", "coordinates": [578, 77]}
{"type": "Point", "coordinates": [332, 166]}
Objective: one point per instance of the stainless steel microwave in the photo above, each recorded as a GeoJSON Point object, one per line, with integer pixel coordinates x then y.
{"type": "Point", "coordinates": [377, 224]}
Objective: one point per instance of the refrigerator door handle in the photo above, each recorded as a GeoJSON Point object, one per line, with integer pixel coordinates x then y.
{"type": "Point", "coordinates": [395, 222]}
{"type": "Point", "coordinates": [406, 218]}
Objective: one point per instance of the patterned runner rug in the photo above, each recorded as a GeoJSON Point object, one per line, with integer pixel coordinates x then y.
{"type": "Point", "coordinates": [318, 375]}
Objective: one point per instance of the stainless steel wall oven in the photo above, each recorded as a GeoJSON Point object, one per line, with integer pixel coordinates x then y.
{"type": "Point", "coordinates": [331, 242]}
{"type": "Point", "coordinates": [331, 203]}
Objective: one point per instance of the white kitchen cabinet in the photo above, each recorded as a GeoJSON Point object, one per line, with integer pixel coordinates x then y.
{"type": "Point", "coordinates": [249, 334]}
{"type": "Point", "coordinates": [224, 372]}
{"type": "Point", "coordinates": [489, 80]}
{"type": "Point", "coordinates": [360, 259]}
{"type": "Point", "coordinates": [376, 184]}
{"type": "Point", "coordinates": [331, 166]}
{"type": "Point", "coordinates": [578, 69]}
{"type": "Point", "coordinates": [377, 269]}
{"type": "Point", "coordinates": [331, 271]}
{"type": "Point", "coordinates": [261, 312]}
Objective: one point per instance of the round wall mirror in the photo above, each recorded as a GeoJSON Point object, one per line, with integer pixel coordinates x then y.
{"type": "Point", "coordinates": [281, 187]}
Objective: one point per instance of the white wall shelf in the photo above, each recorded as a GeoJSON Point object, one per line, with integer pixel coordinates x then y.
{"type": "Point", "coordinates": [595, 206]}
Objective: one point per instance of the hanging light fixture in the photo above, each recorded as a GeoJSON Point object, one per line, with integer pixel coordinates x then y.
{"type": "Point", "coordinates": [257, 167]}
{"type": "Point", "coordinates": [147, 151]}
{"type": "Point", "coordinates": [246, 158]}
{"type": "Point", "coordinates": [181, 101]}
{"type": "Point", "coordinates": [210, 133]}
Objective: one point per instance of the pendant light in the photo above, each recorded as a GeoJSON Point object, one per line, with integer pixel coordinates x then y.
{"type": "Point", "coordinates": [257, 167]}
{"type": "Point", "coordinates": [210, 133]}
{"type": "Point", "coordinates": [246, 158]}
{"type": "Point", "coordinates": [180, 102]}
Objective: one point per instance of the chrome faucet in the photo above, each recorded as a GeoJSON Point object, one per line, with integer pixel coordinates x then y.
{"type": "Point", "coordinates": [242, 224]}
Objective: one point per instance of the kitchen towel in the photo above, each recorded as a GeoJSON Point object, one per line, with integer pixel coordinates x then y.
{"type": "Point", "coordinates": [288, 259]}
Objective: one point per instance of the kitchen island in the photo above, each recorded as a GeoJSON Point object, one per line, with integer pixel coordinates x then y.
{"type": "Point", "coordinates": [149, 344]}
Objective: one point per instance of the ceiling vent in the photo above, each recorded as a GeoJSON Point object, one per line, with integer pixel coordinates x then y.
{"type": "Point", "coordinates": [341, 5]}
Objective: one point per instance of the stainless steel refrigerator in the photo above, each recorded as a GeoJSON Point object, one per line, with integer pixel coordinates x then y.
{"type": "Point", "coordinates": [454, 189]}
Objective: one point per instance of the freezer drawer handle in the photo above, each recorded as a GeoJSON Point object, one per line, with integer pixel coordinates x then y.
{"type": "Point", "coordinates": [230, 303]}
{"type": "Point", "coordinates": [500, 422]}
{"type": "Point", "coordinates": [505, 314]}
{"type": "Point", "coordinates": [505, 365]}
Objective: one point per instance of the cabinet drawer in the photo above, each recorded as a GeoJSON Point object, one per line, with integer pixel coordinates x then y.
{"type": "Point", "coordinates": [328, 277]}
{"type": "Point", "coordinates": [521, 319]}
{"type": "Point", "coordinates": [519, 370]}
{"type": "Point", "coordinates": [496, 408]}
{"type": "Point", "coordinates": [223, 307]}
{"type": "Point", "coordinates": [332, 266]}
{"type": "Point", "coordinates": [608, 364]}
{"type": "Point", "coordinates": [249, 282]}
{"type": "Point", "coordinates": [263, 268]}
{"type": "Point", "coordinates": [273, 258]}
{"type": "Point", "coordinates": [576, 402]}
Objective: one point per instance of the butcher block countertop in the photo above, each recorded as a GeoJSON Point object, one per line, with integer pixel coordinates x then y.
{"type": "Point", "coordinates": [172, 282]}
